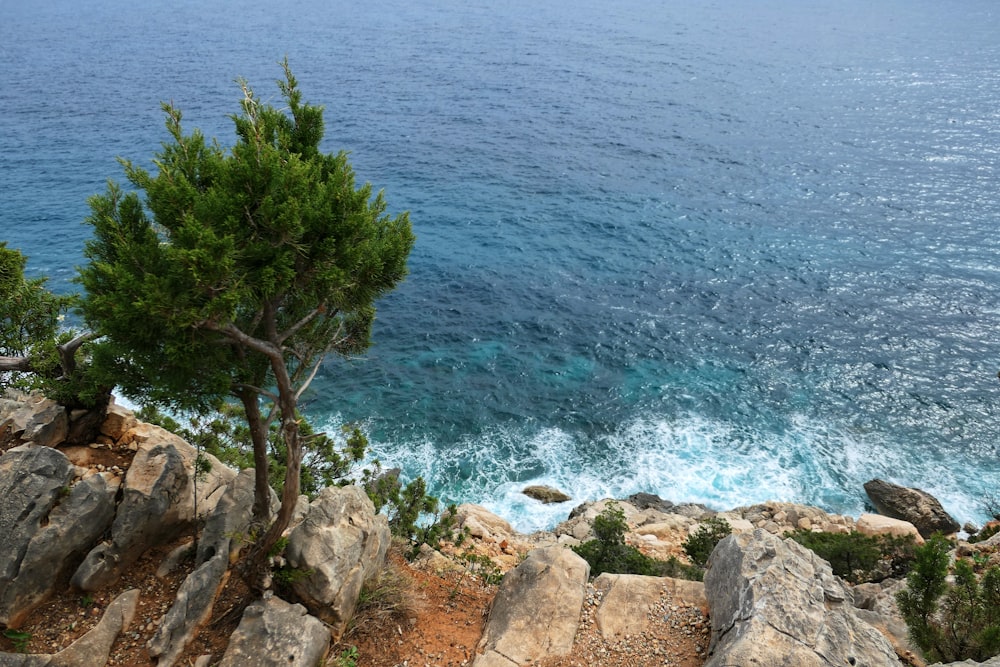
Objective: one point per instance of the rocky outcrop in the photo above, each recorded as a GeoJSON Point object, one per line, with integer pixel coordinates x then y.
{"type": "Point", "coordinates": [551, 585]}
{"type": "Point", "coordinates": [339, 545]}
{"type": "Point", "coordinates": [274, 633]}
{"type": "Point", "coordinates": [216, 548]}
{"type": "Point", "coordinates": [775, 603]}
{"type": "Point", "coordinates": [918, 507]}
{"type": "Point", "coordinates": [158, 503]}
{"type": "Point", "coordinates": [82, 513]}
{"type": "Point", "coordinates": [48, 523]}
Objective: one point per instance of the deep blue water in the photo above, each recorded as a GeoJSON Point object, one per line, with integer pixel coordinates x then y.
{"type": "Point", "coordinates": [722, 252]}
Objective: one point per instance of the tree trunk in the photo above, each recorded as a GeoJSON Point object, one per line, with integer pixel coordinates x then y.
{"type": "Point", "coordinates": [258, 435]}
{"type": "Point", "coordinates": [256, 568]}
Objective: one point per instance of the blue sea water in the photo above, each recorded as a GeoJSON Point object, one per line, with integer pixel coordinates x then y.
{"type": "Point", "coordinates": [722, 252]}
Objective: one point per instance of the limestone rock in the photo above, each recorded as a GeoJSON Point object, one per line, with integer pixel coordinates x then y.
{"type": "Point", "coordinates": [546, 494]}
{"type": "Point", "coordinates": [876, 524]}
{"type": "Point", "coordinates": [274, 633]}
{"type": "Point", "coordinates": [776, 603]}
{"type": "Point", "coordinates": [913, 505]}
{"type": "Point", "coordinates": [551, 585]}
{"type": "Point", "coordinates": [992, 662]}
{"type": "Point", "coordinates": [645, 501]}
{"type": "Point", "coordinates": [482, 523]}
{"type": "Point", "coordinates": [196, 597]}
{"type": "Point", "coordinates": [340, 544]}
{"type": "Point", "coordinates": [32, 418]}
{"type": "Point", "coordinates": [33, 479]}
{"type": "Point", "coordinates": [71, 528]}
{"type": "Point", "coordinates": [629, 602]}
{"type": "Point", "coordinates": [158, 503]}
{"type": "Point", "coordinates": [118, 421]}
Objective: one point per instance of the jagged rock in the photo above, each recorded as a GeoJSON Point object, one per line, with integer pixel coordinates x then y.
{"type": "Point", "coordinates": [918, 507]}
{"type": "Point", "coordinates": [776, 603]}
{"type": "Point", "coordinates": [551, 585]}
{"type": "Point", "coordinates": [73, 525]}
{"type": "Point", "coordinates": [340, 544]}
{"type": "Point", "coordinates": [629, 602]}
{"type": "Point", "coordinates": [876, 605]}
{"type": "Point", "coordinates": [118, 420]}
{"type": "Point", "coordinates": [581, 519]}
{"type": "Point", "coordinates": [190, 610]}
{"type": "Point", "coordinates": [90, 650]}
{"type": "Point", "coordinates": [645, 501]}
{"type": "Point", "coordinates": [216, 548]}
{"type": "Point", "coordinates": [274, 633]}
{"type": "Point", "coordinates": [481, 523]}
{"type": "Point", "coordinates": [158, 503]}
{"type": "Point", "coordinates": [32, 418]}
{"type": "Point", "coordinates": [876, 524]}
{"type": "Point", "coordinates": [33, 479]}
{"type": "Point", "coordinates": [992, 662]}
{"type": "Point", "coordinates": [546, 494]}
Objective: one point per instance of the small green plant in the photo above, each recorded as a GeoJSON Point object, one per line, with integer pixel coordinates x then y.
{"type": "Point", "coordinates": [609, 552]}
{"type": "Point", "coordinates": [285, 577]}
{"type": "Point", "coordinates": [19, 639]}
{"type": "Point", "coordinates": [87, 600]}
{"type": "Point", "coordinates": [985, 534]}
{"type": "Point", "coordinates": [858, 558]}
{"type": "Point", "coordinates": [484, 567]}
{"type": "Point", "coordinates": [699, 545]}
{"type": "Point", "coordinates": [955, 621]}
{"type": "Point", "coordinates": [347, 658]}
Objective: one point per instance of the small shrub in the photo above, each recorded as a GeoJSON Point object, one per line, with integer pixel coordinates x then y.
{"type": "Point", "coordinates": [347, 658]}
{"type": "Point", "coordinates": [858, 558]}
{"type": "Point", "coordinates": [609, 552]}
{"type": "Point", "coordinates": [699, 545]}
{"type": "Point", "coordinates": [956, 621]}
{"type": "Point", "coordinates": [985, 534]}
{"type": "Point", "coordinates": [484, 567]}
{"type": "Point", "coordinates": [19, 639]}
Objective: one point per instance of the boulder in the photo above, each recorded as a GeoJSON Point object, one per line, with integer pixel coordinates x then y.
{"type": "Point", "coordinates": [341, 543]}
{"type": "Point", "coordinates": [876, 524]}
{"type": "Point", "coordinates": [32, 418]}
{"type": "Point", "coordinates": [33, 479]}
{"type": "Point", "coordinates": [74, 524]}
{"type": "Point", "coordinates": [482, 523]}
{"type": "Point", "coordinates": [546, 494]}
{"type": "Point", "coordinates": [913, 505]}
{"type": "Point", "coordinates": [274, 633]}
{"type": "Point", "coordinates": [550, 584]}
{"type": "Point", "coordinates": [645, 501]}
{"type": "Point", "coordinates": [632, 604]}
{"type": "Point", "coordinates": [158, 503]}
{"type": "Point", "coordinates": [776, 603]}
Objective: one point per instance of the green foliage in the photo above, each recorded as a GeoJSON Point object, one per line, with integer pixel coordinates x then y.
{"type": "Point", "coordinates": [955, 621]}
{"type": "Point", "coordinates": [347, 658]}
{"type": "Point", "coordinates": [985, 534]}
{"type": "Point", "coordinates": [483, 567]}
{"type": "Point", "coordinates": [608, 552]}
{"type": "Point", "coordinates": [19, 639]}
{"type": "Point", "coordinates": [699, 545]}
{"type": "Point", "coordinates": [858, 558]}
{"type": "Point", "coordinates": [31, 313]}
{"type": "Point", "coordinates": [87, 600]}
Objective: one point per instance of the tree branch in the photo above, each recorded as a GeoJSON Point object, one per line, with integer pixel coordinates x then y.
{"type": "Point", "coordinates": [257, 390]}
{"type": "Point", "coordinates": [15, 364]}
{"type": "Point", "coordinates": [309, 379]}
{"type": "Point", "coordinates": [288, 333]}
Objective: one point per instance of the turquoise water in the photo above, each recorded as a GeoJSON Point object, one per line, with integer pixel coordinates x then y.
{"type": "Point", "coordinates": [723, 253]}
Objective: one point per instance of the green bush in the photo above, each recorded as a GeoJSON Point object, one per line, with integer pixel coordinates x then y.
{"type": "Point", "coordinates": [858, 558]}
{"type": "Point", "coordinates": [985, 534]}
{"type": "Point", "coordinates": [699, 545]}
{"type": "Point", "coordinates": [955, 621]}
{"type": "Point", "coordinates": [609, 552]}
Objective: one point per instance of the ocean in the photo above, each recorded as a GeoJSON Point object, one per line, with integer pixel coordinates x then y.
{"type": "Point", "coordinates": [721, 252]}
